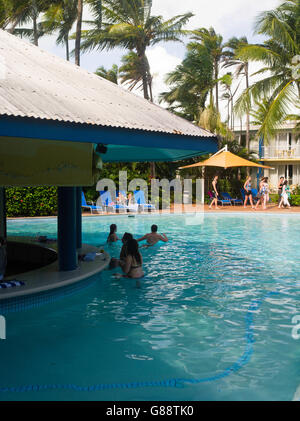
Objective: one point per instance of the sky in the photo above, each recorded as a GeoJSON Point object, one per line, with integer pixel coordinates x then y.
{"type": "Point", "coordinates": [230, 18]}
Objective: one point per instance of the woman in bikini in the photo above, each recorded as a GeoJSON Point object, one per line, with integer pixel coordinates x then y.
{"type": "Point", "coordinates": [132, 266]}
{"type": "Point", "coordinates": [248, 192]}
{"type": "Point", "coordinates": [215, 193]}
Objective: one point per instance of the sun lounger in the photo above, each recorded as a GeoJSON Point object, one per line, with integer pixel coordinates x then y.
{"type": "Point", "coordinates": [222, 201]}
{"type": "Point", "coordinates": [107, 202]}
{"type": "Point", "coordinates": [235, 201]}
{"type": "Point", "coordinates": [89, 206]}
{"type": "Point", "coordinates": [139, 197]}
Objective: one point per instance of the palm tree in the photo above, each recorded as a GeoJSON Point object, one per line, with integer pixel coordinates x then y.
{"type": "Point", "coordinates": [213, 42]}
{"type": "Point", "coordinates": [131, 73]}
{"type": "Point", "coordinates": [61, 17]}
{"type": "Point", "coordinates": [281, 83]}
{"type": "Point", "coordinates": [241, 68]}
{"type": "Point", "coordinates": [130, 25]}
{"type": "Point", "coordinates": [6, 9]}
{"type": "Point", "coordinates": [190, 83]}
{"type": "Point", "coordinates": [29, 11]}
{"type": "Point", "coordinates": [227, 82]}
{"type": "Point", "coordinates": [110, 74]}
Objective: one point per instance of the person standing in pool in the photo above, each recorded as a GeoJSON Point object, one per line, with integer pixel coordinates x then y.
{"type": "Point", "coordinates": [153, 237]}
{"type": "Point", "coordinates": [215, 193]}
{"type": "Point", "coordinates": [119, 262]}
{"type": "Point", "coordinates": [248, 192]}
{"type": "Point", "coordinates": [112, 237]}
{"type": "Point", "coordinates": [133, 265]}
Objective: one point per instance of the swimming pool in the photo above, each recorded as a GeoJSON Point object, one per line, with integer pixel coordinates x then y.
{"type": "Point", "coordinates": [205, 325]}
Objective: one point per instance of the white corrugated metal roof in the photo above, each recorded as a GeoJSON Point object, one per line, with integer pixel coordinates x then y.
{"type": "Point", "coordinates": [41, 85]}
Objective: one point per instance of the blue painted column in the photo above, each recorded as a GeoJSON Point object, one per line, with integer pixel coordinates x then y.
{"type": "Point", "coordinates": [2, 213]}
{"type": "Point", "coordinates": [66, 228]}
{"type": "Point", "coordinates": [260, 152]}
{"type": "Point", "coordinates": [78, 218]}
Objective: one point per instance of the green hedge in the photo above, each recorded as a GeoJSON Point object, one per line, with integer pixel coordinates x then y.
{"type": "Point", "coordinates": [294, 200]}
{"type": "Point", "coordinates": [31, 201]}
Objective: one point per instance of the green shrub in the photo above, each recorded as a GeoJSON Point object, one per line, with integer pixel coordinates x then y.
{"type": "Point", "coordinates": [31, 201]}
{"type": "Point", "coordinates": [295, 200]}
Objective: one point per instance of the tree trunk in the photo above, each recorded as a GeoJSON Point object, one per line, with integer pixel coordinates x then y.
{"type": "Point", "coordinates": [78, 31]}
{"type": "Point", "coordinates": [144, 65]}
{"type": "Point", "coordinates": [217, 85]}
{"type": "Point", "coordinates": [67, 47]}
{"type": "Point", "coordinates": [35, 31]}
{"type": "Point", "coordinates": [150, 88]}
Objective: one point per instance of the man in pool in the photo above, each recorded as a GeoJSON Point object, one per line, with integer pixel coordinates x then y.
{"type": "Point", "coordinates": [153, 237]}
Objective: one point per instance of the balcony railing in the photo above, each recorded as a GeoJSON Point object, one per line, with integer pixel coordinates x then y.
{"type": "Point", "coordinates": [273, 152]}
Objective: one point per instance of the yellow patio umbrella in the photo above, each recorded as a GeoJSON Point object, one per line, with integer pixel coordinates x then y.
{"type": "Point", "coordinates": [225, 159]}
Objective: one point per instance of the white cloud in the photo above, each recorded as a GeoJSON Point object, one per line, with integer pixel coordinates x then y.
{"type": "Point", "coordinates": [233, 17]}
{"type": "Point", "coordinates": [161, 63]}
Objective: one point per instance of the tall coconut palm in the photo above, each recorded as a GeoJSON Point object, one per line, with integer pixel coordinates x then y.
{"type": "Point", "coordinates": [129, 24]}
{"type": "Point", "coordinates": [61, 17]}
{"type": "Point", "coordinates": [189, 83]}
{"type": "Point", "coordinates": [281, 77]}
{"type": "Point", "coordinates": [227, 83]}
{"type": "Point", "coordinates": [131, 73]}
{"type": "Point", "coordinates": [29, 12]}
{"type": "Point", "coordinates": [213, 42]}
{"type": "Point", "coordinates": [241, 69]}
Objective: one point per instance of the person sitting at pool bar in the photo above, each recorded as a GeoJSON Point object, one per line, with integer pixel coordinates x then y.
{"type": "Point", "coordinates": [153, 237]}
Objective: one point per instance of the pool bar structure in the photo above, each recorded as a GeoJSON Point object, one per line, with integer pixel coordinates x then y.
{"type": "Point", "coordinates": [59, 123]}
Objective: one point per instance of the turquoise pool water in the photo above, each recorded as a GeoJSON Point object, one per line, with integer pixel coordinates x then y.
{"type": "Point", "coordinates": [204, 323]}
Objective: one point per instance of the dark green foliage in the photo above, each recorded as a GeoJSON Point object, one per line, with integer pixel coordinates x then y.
{"type": "Point", "coordinates": [31, 201]}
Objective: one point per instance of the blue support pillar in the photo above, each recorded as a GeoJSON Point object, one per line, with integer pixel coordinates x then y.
{"type": "Point", "coordinates": [66, 227]}
{"type": "Point", "coordinates": [78, 218]}
{"type": "Point", "coordinates": [2, 213]}
{"type": "Point", "coordinates": [260, 153]}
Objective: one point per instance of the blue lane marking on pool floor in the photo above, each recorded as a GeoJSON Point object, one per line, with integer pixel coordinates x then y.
{"type": "Point", "coordinates": [242, 361]}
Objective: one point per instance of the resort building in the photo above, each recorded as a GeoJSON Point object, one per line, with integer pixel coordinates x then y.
{"type": "Point", "coordinates": [282, 153]}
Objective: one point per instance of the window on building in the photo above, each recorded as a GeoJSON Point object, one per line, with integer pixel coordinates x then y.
{"type": "Point", "coordinates": [290, 141]}
{"type": "Point", "coordinates": [289, 173]}
{"type": "Point", "coordinates": [243, 140]}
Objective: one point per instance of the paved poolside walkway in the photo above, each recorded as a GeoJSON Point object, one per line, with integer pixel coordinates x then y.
{"type": "Point", "coordinates": [272, 208]}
